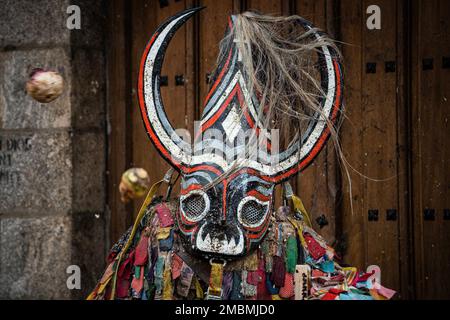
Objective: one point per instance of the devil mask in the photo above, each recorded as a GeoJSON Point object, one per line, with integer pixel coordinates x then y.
{"type": "Point", "coordinates": [225, 204]}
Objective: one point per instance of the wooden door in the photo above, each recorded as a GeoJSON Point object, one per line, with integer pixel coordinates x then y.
{"type": "Point", "coordinates": [394, 138]}
{"type": "Point", "coordinates": [397, 128]}
{"type": "Point", "coordinates": [431, 147]}
{"type": "Point", "coordinates": [374, 211]}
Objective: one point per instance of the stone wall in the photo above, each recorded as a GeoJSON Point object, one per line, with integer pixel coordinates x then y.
{"type": "Point", "coordinates": [52, 156]}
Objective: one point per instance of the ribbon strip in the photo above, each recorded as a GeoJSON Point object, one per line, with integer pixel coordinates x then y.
{"type": "Point", "coordinates": [215, 282]}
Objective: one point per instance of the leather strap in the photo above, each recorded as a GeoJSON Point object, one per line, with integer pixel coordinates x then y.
{"type": "Point", "coordinates": [200, 267]}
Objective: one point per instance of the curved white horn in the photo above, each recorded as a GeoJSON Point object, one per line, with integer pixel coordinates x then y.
{"type": "Point", "coordinates": [168, 143]}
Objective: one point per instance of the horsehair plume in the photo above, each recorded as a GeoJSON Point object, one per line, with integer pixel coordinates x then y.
{"type": "Point", "coordinates": [280, 59]}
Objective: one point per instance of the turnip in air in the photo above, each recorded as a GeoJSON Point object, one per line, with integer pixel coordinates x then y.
{"type": "Point", "coordinates": [44, 86]}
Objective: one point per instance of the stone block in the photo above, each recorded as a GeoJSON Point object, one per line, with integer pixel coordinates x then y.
{"type": "Point", "coordinates": [88, 192]}
{"type": "Point", "coordinates": [35, 172]}
{"type": "Point", "coordinates": [34, 256]}
{"type": "Point", "coordinates": [88, 89]}
{"type": "Point", "coordinates": [88, 249]}
{"type": "Point", "coordinates": [33, 23]}
{"type": "Point", "coordinates": [93, 23]}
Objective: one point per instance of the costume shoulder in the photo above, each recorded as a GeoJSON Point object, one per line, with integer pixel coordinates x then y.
{"type": "Point", "coordinates": [142, 265]}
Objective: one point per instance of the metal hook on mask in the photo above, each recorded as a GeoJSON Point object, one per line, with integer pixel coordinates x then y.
{"type": "Point", "coordinates": [223, 261]}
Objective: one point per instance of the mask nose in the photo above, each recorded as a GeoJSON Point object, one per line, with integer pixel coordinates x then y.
{"type": "Point", "coordinates": [218, 219]}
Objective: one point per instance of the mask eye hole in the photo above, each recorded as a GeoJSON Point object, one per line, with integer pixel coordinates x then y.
{"type": "Point", "coordinates": [195, 205]}
{"type": "Point", "coordinates": [252, 212]}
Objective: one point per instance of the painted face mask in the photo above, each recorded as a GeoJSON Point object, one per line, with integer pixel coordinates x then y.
{"type": "Point", "coordinates": [226, 199]}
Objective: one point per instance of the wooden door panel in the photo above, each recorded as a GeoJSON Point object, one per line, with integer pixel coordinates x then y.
{"type": "Point", "coordinates": [276, 7]}
{"type": "Point", "coordinates": [143, 24]}
{"type": "Point", "coordinates": [380, 107]}
{"type": "Point", "coordinates": [314, 11]}
{"type": "Point", "coordinates": [119, 113]}
{"type": "Point", "coordinates": [370, 139]}
{"type": "Point", "coordinates": [431, 111]}
{"type": "Point", "coordinates": [354, 218]}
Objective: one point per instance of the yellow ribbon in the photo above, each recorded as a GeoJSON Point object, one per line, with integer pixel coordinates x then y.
{"type": "Point", "coordinates": [299, 227]}
{"type": "Point", "coordinates": [163, 233]}
{"type": "Point", "coordinates": [198, 289]}
{"type": "Point", "coordinates": [298, 205]}
{"type": "Point", "coordinates": [168, 287]}
{"type": "Point", "coordinates": [215, 280]}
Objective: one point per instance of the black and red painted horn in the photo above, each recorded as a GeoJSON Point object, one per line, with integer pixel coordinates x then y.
{"type": "Point", "coordinates": [168, 143]}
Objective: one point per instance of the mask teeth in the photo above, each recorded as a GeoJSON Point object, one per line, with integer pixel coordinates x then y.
{"type": "Point", "coordinates": [232, 243]}
{"type": "Point", "coordinates": [226, 245]}
{"type": "Point", "coordinates": [208, 239]}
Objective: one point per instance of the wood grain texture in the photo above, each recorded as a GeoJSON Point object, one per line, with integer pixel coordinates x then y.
{"type": "Point", "coordinates": [276, 7]}
{"type": "Point", "coordinates": [354, 217]}
{"type": "Point", "coordinates": [431, 147]}
{"type": "Point", "coordinates": [379, 151]}
{"type": "Point", "coordinates": [405, 221]}
{"type": "Point", "coordinates": [119, 104]}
